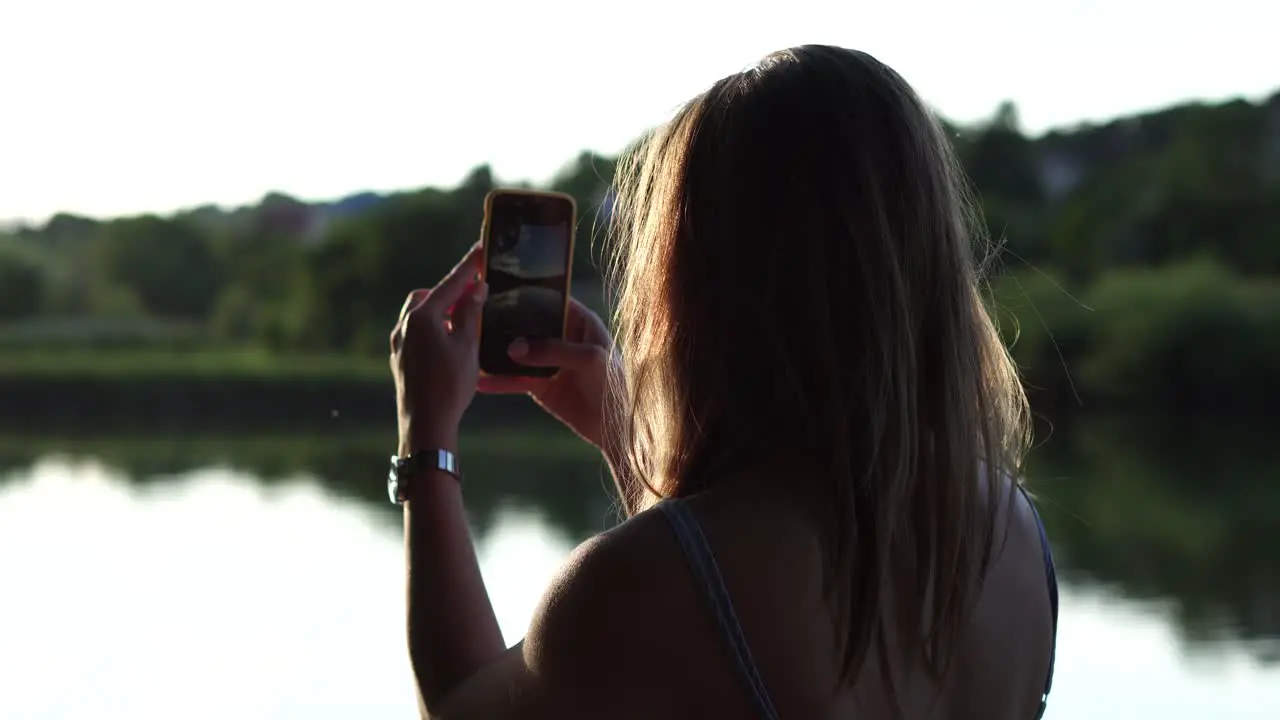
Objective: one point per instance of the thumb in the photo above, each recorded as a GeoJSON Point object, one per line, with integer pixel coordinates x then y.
{"type": "Point", "coordinates": [466, 313]}
{"type": "Point", "coordinates": [547, 352]}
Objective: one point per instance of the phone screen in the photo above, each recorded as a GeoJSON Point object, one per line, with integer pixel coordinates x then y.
{"type": "Point", "coordinates": [528, 244]}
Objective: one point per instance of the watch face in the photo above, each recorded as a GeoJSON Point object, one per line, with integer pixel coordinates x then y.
{"type": "Point", "coordinates": [393, 484]}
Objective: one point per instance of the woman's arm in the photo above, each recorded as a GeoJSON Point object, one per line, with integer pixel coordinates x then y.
{"type": "Point", "coordinates": [573, 659]}
{"type": "Point", "coordinates": [452, 630]}
{"type": "Point", "coordinates": [579, 658]}
{"type": "Point", "coordinates": [592, 636]}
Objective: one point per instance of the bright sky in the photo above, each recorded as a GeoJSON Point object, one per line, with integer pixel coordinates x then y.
{"type": "Point", "coordinates": [118, 106]}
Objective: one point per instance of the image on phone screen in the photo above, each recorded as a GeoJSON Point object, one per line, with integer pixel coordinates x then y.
{"type": "Point", "coordinates": [527, 268]}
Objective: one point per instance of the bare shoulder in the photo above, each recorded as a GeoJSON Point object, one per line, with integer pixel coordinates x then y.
{"type": "Point", "coordinates": [1005, 658]}
{"type": "Point", "coordinates": [594, 633]}
{"type": "Point", "coordinates": [607, 615]}
{"type": "Point", "coordinates": [601, 576]}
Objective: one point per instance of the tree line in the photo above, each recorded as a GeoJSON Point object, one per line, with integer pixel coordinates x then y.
{"type": "Point", "coordinates": [1139, 262]}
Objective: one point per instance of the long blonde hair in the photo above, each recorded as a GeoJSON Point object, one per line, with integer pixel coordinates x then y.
{"type": "Point", "coordinates": [795, 261]}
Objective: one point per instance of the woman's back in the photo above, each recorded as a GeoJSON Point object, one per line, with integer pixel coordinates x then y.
{"type": "Point", "coordinates": [770, 558]}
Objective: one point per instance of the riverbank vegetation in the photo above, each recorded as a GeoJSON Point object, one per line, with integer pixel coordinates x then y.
{"type": "Point", "coordinates": [1139, 265]}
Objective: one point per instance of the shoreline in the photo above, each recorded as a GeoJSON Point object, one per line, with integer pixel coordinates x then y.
{"type": "Point", "coordinates": [199, 389]}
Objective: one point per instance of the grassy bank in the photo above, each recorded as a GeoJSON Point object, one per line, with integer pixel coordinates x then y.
{"type": "Point", "coordinates": [201, 390]}
{"type": "Point", "coordinates": [72, 362]}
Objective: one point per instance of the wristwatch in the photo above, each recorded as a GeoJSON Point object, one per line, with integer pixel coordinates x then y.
{"type": "Point", "coordinates": [403, 469]}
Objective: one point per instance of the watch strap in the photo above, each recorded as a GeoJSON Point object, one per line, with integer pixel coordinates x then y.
{"type": "Point", "coordinates": [404, 469]}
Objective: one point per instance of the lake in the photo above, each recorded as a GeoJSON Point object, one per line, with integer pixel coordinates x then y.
{"type": "Point", "coordinates": [224, 576]}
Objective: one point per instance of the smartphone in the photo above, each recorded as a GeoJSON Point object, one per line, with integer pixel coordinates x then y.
{"type": "Point", "coordinates": [528, 253]}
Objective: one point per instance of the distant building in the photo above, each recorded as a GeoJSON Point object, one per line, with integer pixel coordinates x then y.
{"type": "Point", "coordinates": [353, 205]}
{"type": "Point", "coordinates": [1059, 174]}
{"type": "Point", "coordinates": [325, 215]}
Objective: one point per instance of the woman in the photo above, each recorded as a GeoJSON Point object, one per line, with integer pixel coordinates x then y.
{"type": "Point", "coordinates": [812, 422]}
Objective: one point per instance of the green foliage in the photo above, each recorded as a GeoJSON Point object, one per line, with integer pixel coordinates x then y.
{"type": "Point", "coordinates": [168, 264]}
{"type": "Point", "coordinates": [1191, 333]}
{"type": "Point", "coordinates": [1046, 326]}
{"type": "Point", "coordinates": [23, 282]}
{"type": "Point", "coordinates": [361, 274]}
{"type": "Point", "coordinates": [1147, 256]}
{"type": "Point", "coordinates": [1191, 182]}
{"type": "Point", "coordinates": [588, 179]}
{"type": "Point", "coordinates": [1186, 335]}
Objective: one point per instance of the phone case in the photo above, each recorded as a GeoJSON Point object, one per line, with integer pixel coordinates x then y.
{"type": "Point", "coordinates": [568, 270]}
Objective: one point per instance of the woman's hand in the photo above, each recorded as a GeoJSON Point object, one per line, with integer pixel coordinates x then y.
{"type": "Point", "coordinates": [435, 357]}
{"type": "Point", "coordinates": [576, 394]}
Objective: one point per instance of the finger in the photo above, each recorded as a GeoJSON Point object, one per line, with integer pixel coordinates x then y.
{"type": "Point", "coordinates": [412, 301]}
{"type": "Point", "coordinates": [466, 312]}
{"type": "Point", "coordinates": [555, 353]}
{"type": "Point", "coordinates": [471, 286]}
{"type": "Point", "coordinates": [454, 285]}
{"type": "Point", "coordinates": [585, 326]}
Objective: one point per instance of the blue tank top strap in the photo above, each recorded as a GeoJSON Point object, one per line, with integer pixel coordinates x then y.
{"type": "Point", "coordinates": [1051, 576]}
{"type": "Point", "coordinates": [697, 552]}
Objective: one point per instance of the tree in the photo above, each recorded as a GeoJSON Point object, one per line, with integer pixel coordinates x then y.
{"type": "Point", "coordinates": [364, 268]}
{"type": "Point", "coordinates": [22, 284]}
{"type": "Point", "coordinates": [588, 179]}
{"type": "Point", "coordinates": [263, 297]}
{"type": "Point", "coordinates": [168, 264]}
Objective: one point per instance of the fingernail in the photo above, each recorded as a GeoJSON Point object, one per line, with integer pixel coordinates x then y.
{"type": "Point", "coordinates": [518, 348]}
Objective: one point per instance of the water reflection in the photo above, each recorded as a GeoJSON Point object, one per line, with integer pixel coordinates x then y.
{"type": "Point", "coordinates": [271, 567]}
{"type": "Point", "coordinates": [534, 465]}
{"type": "Point", "coordinates": [210, 595]}
{"type": "Point", "coordinates": [1182, 512]}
